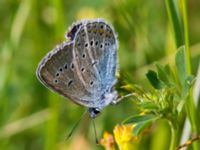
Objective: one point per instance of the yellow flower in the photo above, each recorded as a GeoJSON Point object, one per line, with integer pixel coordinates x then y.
{"type": "Point", "coordinates": [108, 141]}
{"type": "Point", "coordinates": [124, 137]}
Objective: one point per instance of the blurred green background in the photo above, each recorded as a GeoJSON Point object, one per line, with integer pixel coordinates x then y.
{"type": "Point", "coordinates": [31, 116]}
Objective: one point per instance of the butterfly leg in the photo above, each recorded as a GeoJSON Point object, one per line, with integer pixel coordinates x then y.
{"type": "Point", "coordinates": [116, 101]}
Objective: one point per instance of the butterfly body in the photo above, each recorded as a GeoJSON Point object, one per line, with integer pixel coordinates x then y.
{"type": "Point", "coordinates": [84, 68]}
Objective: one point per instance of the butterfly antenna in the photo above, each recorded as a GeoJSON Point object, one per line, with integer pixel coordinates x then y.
{"type": "Point", "coordinates": [75, 126]}
{"type": "Point", "coordinates": [95, 132]}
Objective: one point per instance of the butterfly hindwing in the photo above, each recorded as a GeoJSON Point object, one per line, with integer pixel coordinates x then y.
{"type": "Point", "coordinates": [97, 42]}
{"type": "Point", "coordinates": [57, 72]}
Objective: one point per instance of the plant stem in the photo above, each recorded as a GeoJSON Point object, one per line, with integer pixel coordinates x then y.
{"type": "Point", "coordinates": [175, 22]}
{"type": "Point", "coordinates": [190, 107]}
{"type": "Point", "coordinates": [52, 123]}
{"type": "Point", "coordinates": [186, 37]}
{"type": "Point", "coordinates": [173, 136]}
{"type": "Point", "coordinates": [188, 63]}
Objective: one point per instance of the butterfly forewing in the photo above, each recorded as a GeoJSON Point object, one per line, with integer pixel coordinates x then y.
{"type": "Point", "coordinates": [57, 72]}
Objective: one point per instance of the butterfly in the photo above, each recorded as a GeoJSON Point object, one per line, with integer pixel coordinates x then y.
{"type": "Point", "coordinates": [83, 68]}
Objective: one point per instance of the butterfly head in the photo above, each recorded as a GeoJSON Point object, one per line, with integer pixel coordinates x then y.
{"type": "Point", "coordinates": [94, 112]}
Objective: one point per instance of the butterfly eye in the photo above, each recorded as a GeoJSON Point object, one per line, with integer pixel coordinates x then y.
{"type": "Point", "coordinates": [94, 112]}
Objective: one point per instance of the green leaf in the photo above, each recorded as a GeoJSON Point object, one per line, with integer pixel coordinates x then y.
{"type": "Point", "coordinates": [180, 64]}
{"type": "Point", "coordinates": [180, 106]}
{"type": "Point", "coordinates": [187, 85]}
{"type": "Point", "coordinates": [149, 105]}
{"type": "Point", "coordinates": [170, 74]}
{"type": "Point", "coordinates": [163, 74]}
{"type": "Point", "coordinates": [185, 91]}
{"type": "Point", "coordinates": [139, 119]}
{"type": "Point", "coordinates": [140, 127]}
{"type": "Point", "coordinates": [154, 80]}
{"type": "Point", "coordinates": [141, 122]}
